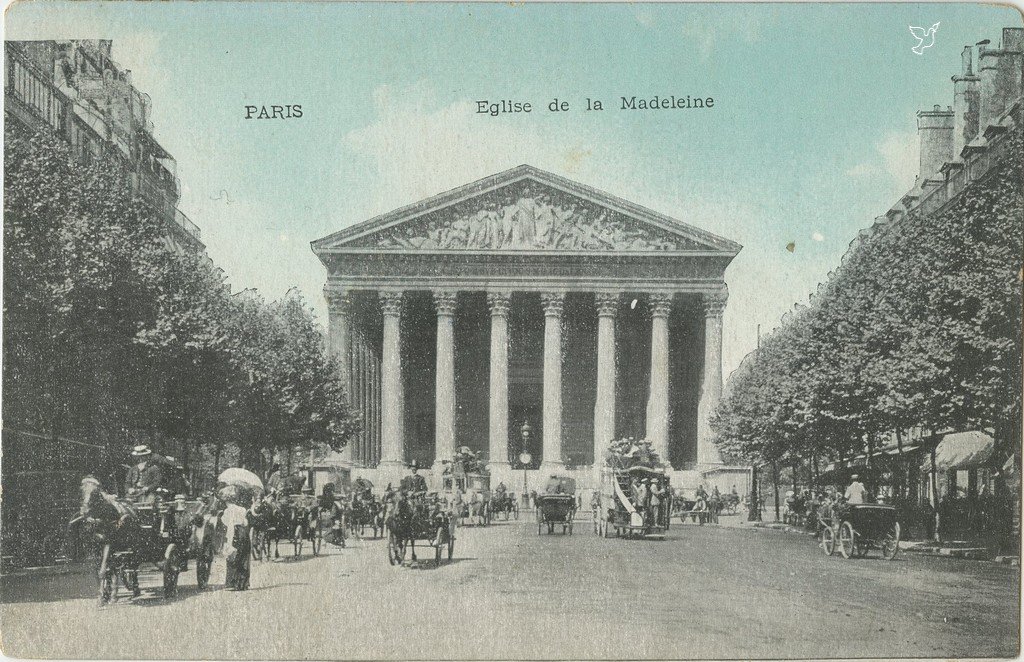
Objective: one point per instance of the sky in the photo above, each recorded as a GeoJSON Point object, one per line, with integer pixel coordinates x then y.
{"type": "Point", "coordinates": [813, 132]}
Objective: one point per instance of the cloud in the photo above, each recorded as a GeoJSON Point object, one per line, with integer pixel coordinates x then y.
{"type": "Point", "coordinates": [416, 147]}
{"type": "Point", "coordinates": [862, 170]}
{"type": "Point", "coordinates": [895, 156]}
{"type": "Point", "coordinates": [726, 27]}
{"type": "Point", "coordinates": [900, 156]}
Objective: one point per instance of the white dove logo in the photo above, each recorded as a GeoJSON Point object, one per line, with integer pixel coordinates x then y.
{"type": "Point", "coordinates": [921, 34]}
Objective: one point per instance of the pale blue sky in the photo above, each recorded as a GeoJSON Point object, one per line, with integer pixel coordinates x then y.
{"type": "Point", "coordinates": [813, 133]}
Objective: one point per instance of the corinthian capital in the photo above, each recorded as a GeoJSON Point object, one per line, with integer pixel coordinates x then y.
{"type": "Point", "coordinates": [660, 305]}
{"type": "Point", "coordinates": [445, 301]}
{"type": "Point", "coordinates": [714, 304]}
{"type": "Point", "coordinates": [607, 304]}
{"type": "Point", "coordinates": [500, 303]}
{"type": "Point", "coordinates": [553, 303]}
{"type": "Point", "coordinates": [337, 300]}
{"type": "Point", "coordinates": [391, 302]}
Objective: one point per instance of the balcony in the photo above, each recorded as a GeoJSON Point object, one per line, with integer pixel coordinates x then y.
{"type": "Point", "coordinates": [187, 225]}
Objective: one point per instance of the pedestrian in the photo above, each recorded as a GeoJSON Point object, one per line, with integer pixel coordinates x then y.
{"type": "Point", "coordinates": [657, 495]}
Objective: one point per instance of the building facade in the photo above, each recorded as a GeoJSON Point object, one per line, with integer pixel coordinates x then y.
{"type": "Point", "coordinates": [527, 299]}
{"type": "Point", "coordinates": [74, 88]}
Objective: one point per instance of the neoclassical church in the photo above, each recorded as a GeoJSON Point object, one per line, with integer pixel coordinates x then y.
{"type": "Point", "coordinates": [527, 301]}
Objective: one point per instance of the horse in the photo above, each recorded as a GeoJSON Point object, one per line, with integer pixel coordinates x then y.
{"type": "Point", "coordinates": [476, 507]}
{"type": "Point", "coordinates": [404, 519]}
{"type": "Point", "coordinates": [366, 512]}
{"type": "Point", "coordinates": [117, 533]}
{"type": "Point", "coordinates": [267, 524]}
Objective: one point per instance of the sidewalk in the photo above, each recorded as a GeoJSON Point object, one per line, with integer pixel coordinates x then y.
{"type": "Point", "coordinates": [953, 548]}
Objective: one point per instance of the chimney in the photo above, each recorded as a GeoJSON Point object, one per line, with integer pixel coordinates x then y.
{"type": "Point", "coordinates": [935, 129]}
{"type": "Point", "coordinates": [966, 100]}
{"type": "Point", "coordinates": [1001, 70]}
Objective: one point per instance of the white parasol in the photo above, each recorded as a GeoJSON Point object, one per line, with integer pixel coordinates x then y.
{"type": "Point", "coordinates": [241, 478]}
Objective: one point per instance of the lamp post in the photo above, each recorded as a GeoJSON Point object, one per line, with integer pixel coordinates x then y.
{"type": "Point", "coordinates": [525, 458]}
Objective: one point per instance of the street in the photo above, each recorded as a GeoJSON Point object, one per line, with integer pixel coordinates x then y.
{"type": "Point", "coordinates": [703, 592]}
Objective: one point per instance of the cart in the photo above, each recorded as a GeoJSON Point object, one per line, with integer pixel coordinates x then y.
{"type": "Point", "coordinates": [854, 529]}
{"type": "Point", "coordinates": [557, 505]}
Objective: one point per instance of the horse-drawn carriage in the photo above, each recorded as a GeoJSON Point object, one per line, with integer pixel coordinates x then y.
{"type": "Point", "coordinates": [164, 533]}
{"type": "Point", "coordinates": [557, 505]}
{"type": "Point", "coordinates": [297, 518]}
{"type": "Point", "coordinates": [470, 496]}
{"type": "Point", "coordinates": [854, 529]}
{"type": "Point", "coordinates": [624, 512]}
{"type": "Point", "coordinates": [419, 517]}
{"type": "Point", "coordinates": [504, 503]}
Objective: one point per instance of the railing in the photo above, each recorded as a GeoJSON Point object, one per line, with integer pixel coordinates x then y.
{"type": "Point", "coordinates": [186, 224]}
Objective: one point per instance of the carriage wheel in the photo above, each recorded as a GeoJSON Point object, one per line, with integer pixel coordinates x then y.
{"type": "Point", "coordinates": [828, 540]}
{"type": "Point", "coordinates": [171, 565]}
{"type": "Point", "coordinates": [297, 540]}
{"type": "Point", "coordinates": [204, 562]}
{"type": "Point", "coordinates": [891, 542]}
{"type": "Point", "coordinates": [847, 540]}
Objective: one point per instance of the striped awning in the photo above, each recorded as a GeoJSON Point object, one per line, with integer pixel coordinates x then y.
{"type": "Point", "coordinates": [961, 450]}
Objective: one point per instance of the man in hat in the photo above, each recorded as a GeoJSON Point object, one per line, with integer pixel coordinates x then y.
{"type": "Point", "coordinates": [414, 483]}
{"type": "Point", "coordinates": [145, 476]}
{"type": "Point", "coordinates": [856, 491]}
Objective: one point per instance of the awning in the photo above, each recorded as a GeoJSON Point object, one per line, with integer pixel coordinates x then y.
{"type": "Point", "coordinates": [961, 450]}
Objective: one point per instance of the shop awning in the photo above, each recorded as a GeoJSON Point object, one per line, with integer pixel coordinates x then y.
{"type": "Point", "coordinates": [961, 450]}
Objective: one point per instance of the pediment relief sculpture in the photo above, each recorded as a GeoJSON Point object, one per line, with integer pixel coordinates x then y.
{"type": "Point", "coordinates": [527, 216]}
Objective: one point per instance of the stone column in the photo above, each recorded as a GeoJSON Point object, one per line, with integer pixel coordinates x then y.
{"type": "Point", "coordinates": [392, 453]}
{"type": "Point", "coordinates": [444, 381]}
{"type": "Point", "coordinates": [657, 398]}
{"type": "Point", "coordinates": [604, 404]}
{"type": "Point", "coordinates": [711, 389]}
{"type": "Point", "coordinates": [359, 391]}
{"type": "Point", "coordinates": [339, 340]}
{"type": "Point", "coordinates": [364, 366]}
{"type": "Point", "coordinates": [500, 303]}
{"type": "Point", "coordinates": [552, 391]}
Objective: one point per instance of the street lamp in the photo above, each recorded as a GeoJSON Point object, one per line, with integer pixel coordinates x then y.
{"type": "Point", "coordinates": [525, 458]}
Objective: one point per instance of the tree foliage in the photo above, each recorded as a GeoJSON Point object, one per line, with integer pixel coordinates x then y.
{"type": "Point", "coordinates": [113, 338]}
{"type": "Point", "coordinates": [919, 326]}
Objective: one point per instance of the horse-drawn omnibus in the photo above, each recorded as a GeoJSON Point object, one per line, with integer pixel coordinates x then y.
{"type": "Point", "coordinates": [628, 506]}
{"type": "Point", "coordinates": [470, 494]}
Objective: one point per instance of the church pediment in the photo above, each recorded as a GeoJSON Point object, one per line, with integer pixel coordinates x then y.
{"type": "Point", "coordinates": [529, 210]}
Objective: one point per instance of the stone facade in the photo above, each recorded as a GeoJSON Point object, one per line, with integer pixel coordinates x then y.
{"type": "Point", "coordinates": [526, 298]}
